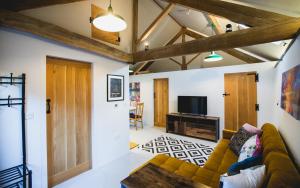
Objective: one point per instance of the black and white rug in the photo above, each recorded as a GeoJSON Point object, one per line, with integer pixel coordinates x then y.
{"type": "Point", "coordinates": [184, 150]}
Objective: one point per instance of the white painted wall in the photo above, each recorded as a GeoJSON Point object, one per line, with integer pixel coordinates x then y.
{"type": "Point", "coordinates": [207, 82]}
{"type": "Point", "coordinates": [24, 53]}
{"type": "Point", "coordinates": [288, 126]}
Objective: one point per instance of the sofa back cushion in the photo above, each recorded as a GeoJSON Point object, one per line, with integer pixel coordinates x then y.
{"type": "Point", "coordinates": [280, 170]}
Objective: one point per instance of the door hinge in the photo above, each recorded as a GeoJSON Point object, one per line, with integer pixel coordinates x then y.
{"type": "Point", "coordinates": [256, 107]}
{"type": "Point", "coordinates": [256, 77]}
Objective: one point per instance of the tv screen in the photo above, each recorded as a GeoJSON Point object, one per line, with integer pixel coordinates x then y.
{"type": "Point", "coordinates": [192, 105]}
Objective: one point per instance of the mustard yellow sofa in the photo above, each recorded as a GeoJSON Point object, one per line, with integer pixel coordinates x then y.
{"type": "Point", "coordinates": [280, 170]}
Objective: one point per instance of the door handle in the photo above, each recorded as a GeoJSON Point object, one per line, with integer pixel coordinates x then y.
{"type": "Point", "coordinates": [48, 110]}
{"type": "Point", "coordinates": [226, 94]}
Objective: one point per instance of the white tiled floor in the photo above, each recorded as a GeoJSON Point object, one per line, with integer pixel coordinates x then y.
{"type": "Point", "coordinates": [110, 175]}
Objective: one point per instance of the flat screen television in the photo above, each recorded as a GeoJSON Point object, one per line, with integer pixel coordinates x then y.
{"type": "Point", "coordinates": [192, 105]}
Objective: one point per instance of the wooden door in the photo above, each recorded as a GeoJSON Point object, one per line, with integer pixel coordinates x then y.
{"type": "Point", "coordinates": [240, 100]}
{"type": "Point", "coordinates": [161, 101]}
{"type": "Point", "coordinates": [68, 119]}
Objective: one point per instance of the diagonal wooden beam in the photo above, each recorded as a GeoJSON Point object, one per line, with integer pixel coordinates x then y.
{"type": "Point", "coordinates": [173, 39]}
{"type": "Point", "coordinates": [135, 10]}
{"type": "Point", "coordinates": [155, 23]}
{"type": "Point", "coordinates": [252, 36]}
{"type": "Point", "coordinates": [191, 61]}
{"type": "Point", "coordinates": [139, 68]}
{"type": "Point", "coordinates": [17, 5]}
{"type": "Point", "coordinates": [234, 12]}
{"type": "Point", "coordinates": [147, 66]}
{"type": "Point", "coordinates": [175, 61]}
{"type": "Point", "coordinates": [53, 32]}
{"type": "Point", "coordinates": [175, 20]}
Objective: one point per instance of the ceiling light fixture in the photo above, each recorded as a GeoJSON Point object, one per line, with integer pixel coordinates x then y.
{"type": "Point", "coordinates": [109, 21]}
{"type": "Point", "coordinates": [213, 57]}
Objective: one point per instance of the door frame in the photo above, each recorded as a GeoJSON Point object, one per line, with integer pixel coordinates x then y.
{"type": "Point", "coordinates": [91, 116]}
{"type": "Point", "coordinates": [154, 97]}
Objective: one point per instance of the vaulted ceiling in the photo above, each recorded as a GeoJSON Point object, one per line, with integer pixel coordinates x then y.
{"type": "Point", "coordinates": [159, 23]}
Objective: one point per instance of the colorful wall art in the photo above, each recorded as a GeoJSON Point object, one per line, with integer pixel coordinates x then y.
{"type": "Point", "coordinates": [290, 92]}
{"type": "Point", "coordinates": [134, 91]}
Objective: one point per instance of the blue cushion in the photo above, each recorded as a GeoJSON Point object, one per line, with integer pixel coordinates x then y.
{"type": "Point", "coordinates": [247, 163]}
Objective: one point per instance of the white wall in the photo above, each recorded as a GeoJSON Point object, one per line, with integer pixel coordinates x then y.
{"type": "Point", "coordinates": [288, 125]}
{"type": "Point", "coordinates": [24, 53]}
{"type": "Point", "coordinates": [207, 82]}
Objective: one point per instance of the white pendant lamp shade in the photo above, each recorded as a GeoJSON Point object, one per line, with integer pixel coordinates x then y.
{"type": "Point", "coordinates": [110, 22]}
{"type": "Point", "coordinates": [213, 57]}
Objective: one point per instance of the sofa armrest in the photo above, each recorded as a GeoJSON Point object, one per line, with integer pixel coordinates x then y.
{"type": "Point", "coordinates": [227, 134]}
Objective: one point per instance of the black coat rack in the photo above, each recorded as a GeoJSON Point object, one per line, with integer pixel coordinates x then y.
{"type": "Point", "coordinates": [18, 176]}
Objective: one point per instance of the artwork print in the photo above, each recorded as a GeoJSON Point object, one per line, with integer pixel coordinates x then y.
{"type": "Point", "coordinates": [115, 87]}
{"type": "Point", "coordinates": [290, 92]}
{"type": "Point", "coordinates": [134, 90]}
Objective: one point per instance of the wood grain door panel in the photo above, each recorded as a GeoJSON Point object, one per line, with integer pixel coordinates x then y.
{"type": "Point", "coordinates": [240, 101]}
{"type": "Point", "coordinates": [161, 101]}
{"type": "Point", "coordinates": [68, 124]}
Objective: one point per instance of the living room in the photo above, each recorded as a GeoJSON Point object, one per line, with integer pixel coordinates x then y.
{"type": "Point", "coordinates": [149, 93]}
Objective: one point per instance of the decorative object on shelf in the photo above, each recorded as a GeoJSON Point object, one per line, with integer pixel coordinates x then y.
{"type": "Point", "coordinates": [109, 21]}
{"type": "Point", "coordinates": [20, 175]}
{"type": "Point", "coordinates": [134, 91]}
{"type": "Point", "coordinates": [115, 88]}
{"type": "Point", "coordinates": [290, 92]}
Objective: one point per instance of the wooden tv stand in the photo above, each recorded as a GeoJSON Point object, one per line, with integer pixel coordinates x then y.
{"type": "Point", "coordinates": [204, 127]}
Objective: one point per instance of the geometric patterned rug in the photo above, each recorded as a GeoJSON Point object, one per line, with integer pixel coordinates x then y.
{"type": "Point", "coordinates": [184, 150]}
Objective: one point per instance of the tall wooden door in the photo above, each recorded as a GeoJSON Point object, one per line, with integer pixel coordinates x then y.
{"type": "Point", "coordinates": [240, 100]}
{"type": "Point", "coordinates": [68, 119]}
{"type": "Point", "coordinates": [161, 101]}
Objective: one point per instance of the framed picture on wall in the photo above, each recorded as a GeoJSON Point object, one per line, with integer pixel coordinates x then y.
{"type": "Point", "coordinates": [115, 88]}
{"type": "Point", "coordinates": [290, 92]}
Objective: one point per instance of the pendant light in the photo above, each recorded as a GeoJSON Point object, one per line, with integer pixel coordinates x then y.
{"type": "Point", "coordinates": [213, 56]}
{"type": "Point", "coordinates": [109, 21]}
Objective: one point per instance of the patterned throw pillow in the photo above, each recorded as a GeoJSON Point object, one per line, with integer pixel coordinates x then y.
{"type": "Point", "coordinates": [238, 140]}
{"type": "Point", "coordinates": [249, 148]}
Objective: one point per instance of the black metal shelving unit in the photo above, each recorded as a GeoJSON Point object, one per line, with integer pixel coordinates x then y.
{"type": "Point", "coordinates": [18, 176]}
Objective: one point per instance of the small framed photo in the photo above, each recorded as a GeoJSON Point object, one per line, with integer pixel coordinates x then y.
{"type": "Point", "coordinates": [115, 88]}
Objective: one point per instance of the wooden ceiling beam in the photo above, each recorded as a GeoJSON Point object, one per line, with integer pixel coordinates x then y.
{"type": "Point", "coordinates": [18, 5]}
{"type": "Point", "coordinates": [53, 32]}
{"type": "Point", "coordinates": [235, 12]}
{"type": "Point", "coordinates": [174, 19]}
{"type": "Point", "coordinates": [175, 61]}
{"type": "Point", "coordinates": [135, 21]}
{"type": "Point", "coordinates": [233, 52]}
{"type": "Point", "coordinates": [248, 58]}
{"type": "Point", "coordinates": [155, 23]}
{"type": "Point", "coordinates": [252, 36]}
{"type": "Point", "coordinates": [195, 57]}
{"type": "Point", "coordinates": [176, 36]}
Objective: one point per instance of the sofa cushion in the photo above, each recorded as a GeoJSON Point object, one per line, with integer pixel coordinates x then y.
{"type": "Point", "coordinates": [271, 140]}
{"type": "Point", "coordinates": [239, 139]}
{"type": "Point", "coordinates": [222, 157]}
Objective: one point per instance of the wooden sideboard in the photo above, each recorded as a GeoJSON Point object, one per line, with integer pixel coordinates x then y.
{"type": "Point", "coordinates": [204, 127]}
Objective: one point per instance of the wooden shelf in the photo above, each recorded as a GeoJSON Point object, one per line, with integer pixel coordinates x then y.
{"type": "Point", "coordinates": [204, 127]}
